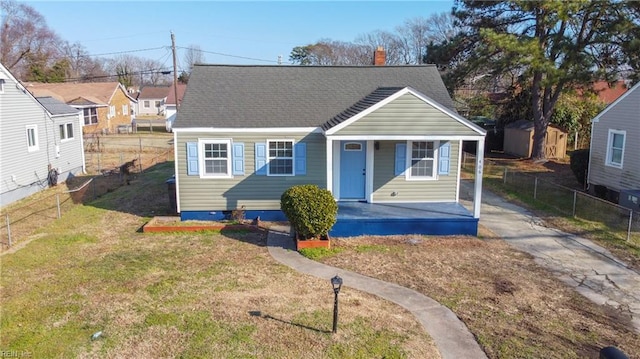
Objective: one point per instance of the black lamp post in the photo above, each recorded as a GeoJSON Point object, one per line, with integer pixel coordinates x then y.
{"type": "Point", "coordinates": [336, 282]}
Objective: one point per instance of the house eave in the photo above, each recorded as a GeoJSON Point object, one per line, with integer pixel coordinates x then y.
{"type": "Point", "coordinates": [248, 130]}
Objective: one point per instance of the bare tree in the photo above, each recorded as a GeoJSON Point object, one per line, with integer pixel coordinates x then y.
{"type": "Point", "coordinates": [137, 71]}
{"type": "Point", "coordinates": [392, 44]}
{"type": "Point", "coordinates": [81, 66]}
{"type": "Point", "coordinates": [25, 35]}
{"type": "Point", "coordinates": [414, 38]}
{"type": "Point", "coordinates": [192, 56]}
{"type": "Point", "coordinates": [408, 45]}
{"type": "Point", "coordinates": [417, 33]}
{"type": "Point", "coordinates": [328, 52]}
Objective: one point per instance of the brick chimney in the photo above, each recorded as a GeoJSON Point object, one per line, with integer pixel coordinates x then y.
{"type": "Point", "coordinates": [379, 57]}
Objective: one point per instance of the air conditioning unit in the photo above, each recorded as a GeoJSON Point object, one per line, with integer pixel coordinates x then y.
{"type": "Point", "coordinates": [630, 198]}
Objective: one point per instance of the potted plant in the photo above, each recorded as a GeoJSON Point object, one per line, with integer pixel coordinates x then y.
{"type": "Point", "coordinates": [312, 212]}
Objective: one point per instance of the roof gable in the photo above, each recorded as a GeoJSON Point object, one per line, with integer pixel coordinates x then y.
{"type": "Point", "coordinates": [225, 96]}
{"type": "Point", "coordinates": [384, 97]}
{"type": "Point", "coordinates": [5, 74]}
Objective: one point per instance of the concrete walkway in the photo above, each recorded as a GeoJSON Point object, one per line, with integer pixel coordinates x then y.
{"type": "Point", "coordinates": [451, 336]}
{"type": "Point", "coordinates": [588, 268]}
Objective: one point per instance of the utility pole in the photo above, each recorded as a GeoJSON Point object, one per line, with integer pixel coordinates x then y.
{"type": "Point", "coordinates": [175, 69]}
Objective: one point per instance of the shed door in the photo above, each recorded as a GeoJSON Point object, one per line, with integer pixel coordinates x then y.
{"type": "Point", "coordinates": [353, 159]}
{"type": "Point", "coordinates": [551, 146]}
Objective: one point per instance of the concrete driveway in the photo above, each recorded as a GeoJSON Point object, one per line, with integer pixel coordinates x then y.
{"type": "Point", "coordinates": [588, 268]}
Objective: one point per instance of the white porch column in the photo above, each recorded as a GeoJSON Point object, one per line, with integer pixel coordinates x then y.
{"type": "Point", "coordinates": [477, 190]}
{"type": "Point", "coordinates": [329, 161]}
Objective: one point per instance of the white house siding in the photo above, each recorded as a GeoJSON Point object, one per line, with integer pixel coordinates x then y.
{"type": "Point", "coordinates": [252, 191]}
{"type": "Point", "coordinates": [390, 188]}
{"type": "Point", "coordinates": [169, 111]}
{"type": "Point", "coordinates": [23, 172]}
{"type": "Point", "coordinates": [407, 115]}
{"type": "Point", "coordinates": [623, 115]}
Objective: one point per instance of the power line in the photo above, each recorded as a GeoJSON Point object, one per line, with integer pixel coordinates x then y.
{"type": "Point", "coordinates": [124, 52]}
{"type": "Point", "coordinates": [228, 55]}
{"type": "Point", "coordinates": [163, 71]}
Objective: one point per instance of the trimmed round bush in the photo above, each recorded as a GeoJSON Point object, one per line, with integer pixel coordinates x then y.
{"type": "Point", "coordinates": [311, 211]}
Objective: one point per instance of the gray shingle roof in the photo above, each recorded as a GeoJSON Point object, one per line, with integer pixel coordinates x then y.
{"type": "Point", "coordinates": [56, 107]}
{"type": "Point", "coordinates": [296, 96]}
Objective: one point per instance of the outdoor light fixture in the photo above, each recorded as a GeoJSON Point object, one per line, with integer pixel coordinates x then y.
{"type": "Point", "coordinates": [336, 282]}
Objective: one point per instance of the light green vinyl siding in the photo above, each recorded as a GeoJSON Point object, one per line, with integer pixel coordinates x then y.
{"type": "Point", "coordinates": [385, 183]}
{"type": "Point", "coordinates": [252, 191]}
{"type": "Point", "coordinates": [407, 115]}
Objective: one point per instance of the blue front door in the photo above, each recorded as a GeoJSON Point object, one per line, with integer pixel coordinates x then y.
{"type": "Point", "coordinates": [353, 159]}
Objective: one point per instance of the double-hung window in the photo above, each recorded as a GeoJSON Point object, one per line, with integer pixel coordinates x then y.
{"type": "Point", "coordinates": [280, 157]}
{"type": "Point", "coordinates": [32, 138]}
{"type": "Point", "coordinates": [90, 116]}
{"type": "Point", "coordinates": [422, 160]}
{"type": "Point", "coordinates": [615, 148]}
{"type": "Point", "coordinates": [216, 158]}
{"type": "Point", "coordinates": [66, 131]}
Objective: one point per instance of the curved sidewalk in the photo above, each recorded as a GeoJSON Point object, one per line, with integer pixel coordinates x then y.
{"type": "Point", "coordinates": [451, 336]}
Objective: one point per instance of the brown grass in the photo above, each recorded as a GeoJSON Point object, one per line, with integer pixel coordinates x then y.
{"type": "Point", "coordinates": [180, 295]}
{"type": "Point", "coordinates": [512, 306]}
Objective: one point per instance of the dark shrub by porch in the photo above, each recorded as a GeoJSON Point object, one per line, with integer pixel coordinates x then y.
{"type": "Point", "coordinates": [311, 210]}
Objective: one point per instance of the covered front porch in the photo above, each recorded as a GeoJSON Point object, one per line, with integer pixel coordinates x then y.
{"type": "Point", "coordinates": [431, 218]}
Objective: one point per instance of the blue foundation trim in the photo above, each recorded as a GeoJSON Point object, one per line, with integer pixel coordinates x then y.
{"type": "Point", "coordinates": [273, 215]}
{"type": "Point", "coordinates": [429, 226]}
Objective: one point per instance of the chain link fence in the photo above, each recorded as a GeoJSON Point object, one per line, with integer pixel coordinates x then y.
{"type": "Point", "coordinates": [110, 163]}
{"type": "Point", "coordinates": [617, 220]}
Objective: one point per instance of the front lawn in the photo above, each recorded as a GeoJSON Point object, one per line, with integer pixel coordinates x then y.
{"type": "Point", "coordinates": [207, 295]}
{"type": "Point", "coordinates": [515, 308]}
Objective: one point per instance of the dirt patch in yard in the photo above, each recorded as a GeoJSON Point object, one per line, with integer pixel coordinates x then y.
{"type": "Point", "coordinates": [513, 307]}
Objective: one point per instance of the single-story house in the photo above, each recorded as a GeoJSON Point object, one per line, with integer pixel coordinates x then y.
{"type": "Point", "coordinates": [152, 99]}
{"type": "Point", "coordinates": [106, 106]}
{"type": "Point", "coordinates": [40, 141]}
{"type": "Point", "coordinates": [385, 140]}
{"type": "Point", "coordinates": [518, 140]}
{"type": "Point", "coordinates": [614, 160]}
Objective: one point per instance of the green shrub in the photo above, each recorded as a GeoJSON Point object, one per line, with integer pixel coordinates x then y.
{"type": "Point", "coordinates": [311, 211]}
{"type": "Point", "coordinates": [580, 164]}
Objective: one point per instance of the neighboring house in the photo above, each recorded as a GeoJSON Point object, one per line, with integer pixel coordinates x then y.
{"type": "Point", "coordinates": [369, 134]}
{"type": "Point", "coordinates": [172, 108]}
{"type": "Point", "coordinates": [609, 93]}
{"type": "Point", "coordinates": [106, 106]}
{"type": "Point", "coordinates": [152, 100]}
{"type": "Point", "coordinates": [40, 141]}
{"type": "Point", "coordinates": [614, 160]}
